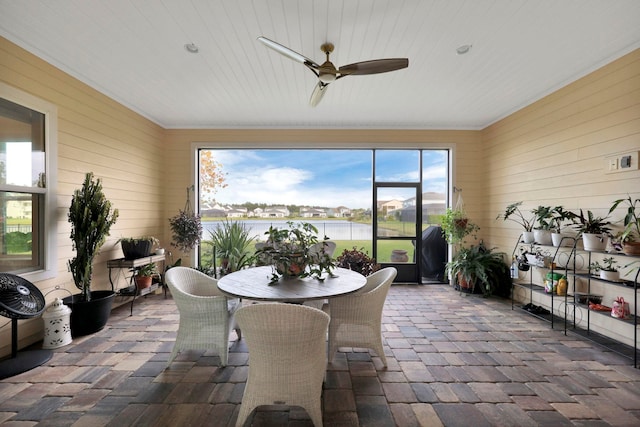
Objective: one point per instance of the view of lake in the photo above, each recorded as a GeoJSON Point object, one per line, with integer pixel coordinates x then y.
{"type": "Point", "coordinates": [335, 230]}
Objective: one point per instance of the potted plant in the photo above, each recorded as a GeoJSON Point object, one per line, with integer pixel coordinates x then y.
{"type": "Point", "coordinates": [558, 218]}
{"type": "Point", "coordinates": [91, 217]}
{"type": "Point", "coordinates": [456, 226]}
{"type": "Point", "coordinates": [137, 247]}
{"type": "Point", "coordinates": [186, 228]}
{"type": "Point", "coordinates": [630, 235]}
{"type": "Point", "coordinates": [593, 229]}
{"type": "Point", "coordinates": [607, 271]}
{"type": "Point", "coordinates": [231, 242]}
{"type": "Point", "coordinates": [542, 229]}
{"type": "Point", "coordinates": [513, 213]}
{"type": "Point", "coordinates": [287, 250]}
{"type": "Point", "coordinates": [357, 260]}
{"type": "Point", "coordinates": [480, 266]}
{"type": "Point", "coordinates": [143, 276]}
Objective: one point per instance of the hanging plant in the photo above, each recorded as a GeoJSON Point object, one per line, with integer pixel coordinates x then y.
{"type": "Point", "coordinates": [456, 224]}
{"type": "Point", "coordinates": [186, 228]}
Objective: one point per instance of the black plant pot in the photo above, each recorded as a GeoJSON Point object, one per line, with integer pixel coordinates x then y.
{"type": "Point", "coordinates": [89, 317]}
{"type": "Point", "coordinates": [137, 249]}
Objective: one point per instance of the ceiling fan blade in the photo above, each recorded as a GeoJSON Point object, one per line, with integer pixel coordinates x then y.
{"type": "Point", "coordinates": [375, 66]}
{"type": "Point", "coordinates": [288, 53]}
{"type": "Point", "coordinates": [318, 93]}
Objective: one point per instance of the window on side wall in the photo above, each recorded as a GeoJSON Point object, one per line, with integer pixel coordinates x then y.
{"type": "Point", "coordinates": [27, 223]}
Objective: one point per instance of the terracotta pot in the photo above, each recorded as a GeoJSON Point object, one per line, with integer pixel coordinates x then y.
{"type": "Point", "coordinates": [399, 255]}
{"type": "Point", "coordinates": [461, 222]}
{"type": "Point", "coordinates": [293, 266]}
{"type": "Point", "coordinates": [143, 282]}
{"type": "Point", "coordinates": [631, 248]}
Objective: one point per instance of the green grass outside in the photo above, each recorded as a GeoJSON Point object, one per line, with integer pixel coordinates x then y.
{"type": "Point", "coordinates": [384, 247]}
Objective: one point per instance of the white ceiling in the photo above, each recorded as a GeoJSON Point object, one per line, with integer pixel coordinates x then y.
{"type": "Point", "coordinates": [133, 51]}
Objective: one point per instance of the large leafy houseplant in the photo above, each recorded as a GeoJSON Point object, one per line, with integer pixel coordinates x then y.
{"type": "Point", "coordinates": [91, 217]}
{"type": "Point", "coordinates": [479, 265]}
{"type": "Point", "coordinates": [288, 251]}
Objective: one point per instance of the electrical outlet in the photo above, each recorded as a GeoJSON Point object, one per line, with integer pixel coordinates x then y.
{"type": "Point", "coordinates": [622, 162]}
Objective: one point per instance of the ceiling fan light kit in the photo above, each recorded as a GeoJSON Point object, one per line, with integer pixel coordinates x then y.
{"type": "Point", "coordinates": [327, 72]}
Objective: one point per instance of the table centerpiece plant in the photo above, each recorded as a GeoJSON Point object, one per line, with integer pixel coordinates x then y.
{"type": "Point", "coordinates": [287, 250]}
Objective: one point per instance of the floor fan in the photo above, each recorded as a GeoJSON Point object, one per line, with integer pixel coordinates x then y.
{"type": "Point", "coordinates": [20, 299]}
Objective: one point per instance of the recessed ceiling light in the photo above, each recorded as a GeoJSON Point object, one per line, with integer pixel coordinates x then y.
{"type": "Point", "coordinates": [463, 49]}
{"type": "Point", "coordinates": [191, 48]}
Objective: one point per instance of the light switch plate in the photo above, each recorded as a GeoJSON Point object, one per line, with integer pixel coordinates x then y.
{"type": "Point", "coordinates": [622, 162]}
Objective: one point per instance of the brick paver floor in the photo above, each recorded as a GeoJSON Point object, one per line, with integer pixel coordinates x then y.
{"type": "Point", "coordinates": [454, 360]}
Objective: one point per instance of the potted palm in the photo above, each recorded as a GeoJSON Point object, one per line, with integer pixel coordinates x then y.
{"type": "Point", "coordinates": [630, 235]}
{"type": "Point", "coordinates": [593, 229]}
{"type": "Point", "coordinates": [91, 217]}
{"type": "Point", "coordinates": [231, 243]}
{"type": "Point", "coordinates": [513, 213]}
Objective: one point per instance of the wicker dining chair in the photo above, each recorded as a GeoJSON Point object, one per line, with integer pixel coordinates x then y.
{"type": "Point", "coordinates": [356, 319]}
{"type": "Point", "coordinates": [287, 357]}
{"type": "Point", "coordinates": [206, 314]}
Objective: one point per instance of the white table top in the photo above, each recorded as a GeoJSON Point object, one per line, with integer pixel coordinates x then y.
{"type": "Point", "coordinates": [253, 283]}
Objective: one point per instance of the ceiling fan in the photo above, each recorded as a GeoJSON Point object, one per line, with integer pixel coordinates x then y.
{"type": "Point", "coordinates": [328, 73]}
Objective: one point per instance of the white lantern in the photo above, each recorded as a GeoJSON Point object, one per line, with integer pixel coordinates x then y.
{"type": "Point", "coordinates": [57, 325]}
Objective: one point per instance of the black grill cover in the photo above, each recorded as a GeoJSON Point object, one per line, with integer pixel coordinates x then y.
{"type": "Point", "coordinates": [434, 254]}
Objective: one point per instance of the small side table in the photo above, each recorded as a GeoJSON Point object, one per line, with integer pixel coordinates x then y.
{"type": "Point", "coordinates": [129, 264]}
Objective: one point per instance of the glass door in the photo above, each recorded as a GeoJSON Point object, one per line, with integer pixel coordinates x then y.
{"type": "Point", "coordinates": [396, 216]}
{"type": "Point", "coordinates": [396, 228]}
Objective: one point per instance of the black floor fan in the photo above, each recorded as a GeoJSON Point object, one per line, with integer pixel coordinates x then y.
{"type": "Point", "coordinates": [20, 299]}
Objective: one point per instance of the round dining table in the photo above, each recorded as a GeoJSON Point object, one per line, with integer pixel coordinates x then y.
{"type": "Point", "coordinates": [255, 284]}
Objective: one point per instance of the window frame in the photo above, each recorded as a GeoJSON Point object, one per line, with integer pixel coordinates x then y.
{"type": "Point", "coordinates": [50, 112]}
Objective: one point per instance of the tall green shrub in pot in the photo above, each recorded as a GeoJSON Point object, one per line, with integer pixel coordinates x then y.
{"type": "Point", "coordinates": [91, 217]}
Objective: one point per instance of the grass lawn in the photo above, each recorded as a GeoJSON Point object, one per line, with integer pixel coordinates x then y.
{"type": "Point", "coordinates": [384, 247]}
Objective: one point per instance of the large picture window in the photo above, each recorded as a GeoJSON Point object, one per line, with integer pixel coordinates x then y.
{"type": "Point", "coordinates": [336, 190]}
{"type": "Point", "coordinates": [26, 227]}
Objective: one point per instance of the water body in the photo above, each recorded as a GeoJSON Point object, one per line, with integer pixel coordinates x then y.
{"type": "Point", "coordinates": [335, 230]}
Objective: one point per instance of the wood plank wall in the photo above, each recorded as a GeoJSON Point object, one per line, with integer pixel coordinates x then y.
{"type": "Point", "coordinates": [95, 133]}
{"type": "Point", "coordinates": [553, 151]}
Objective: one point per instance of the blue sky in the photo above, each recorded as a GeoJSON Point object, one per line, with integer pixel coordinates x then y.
{"type": "Point", "coordinates": [327, 178]}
